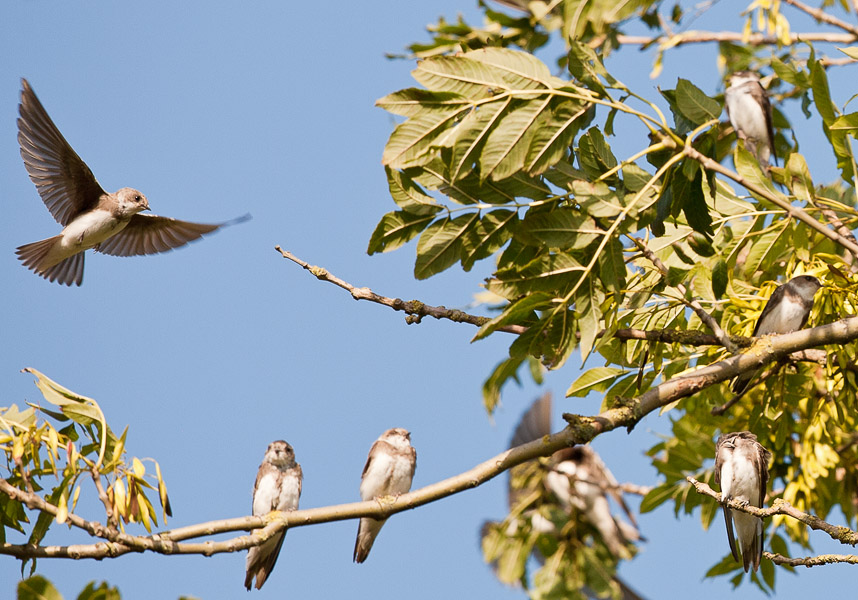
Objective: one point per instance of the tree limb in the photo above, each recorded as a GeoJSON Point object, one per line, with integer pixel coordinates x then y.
{"type": "Point", "coordinates": [811, 561]}
{"type": "Point", "coordinates": [581, 429]}
{"type": "Point", "coordinates": [755, 39]}
{"type": "Point", "coordinates": [844, 535]}
{"type": "Point", "coordinates": [823, 17]}
{"type": "Point", "coordinates": [414, 308]}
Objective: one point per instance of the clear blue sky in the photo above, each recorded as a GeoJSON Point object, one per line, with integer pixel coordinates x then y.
{"type": "Point", "coordinates": [215, 109]}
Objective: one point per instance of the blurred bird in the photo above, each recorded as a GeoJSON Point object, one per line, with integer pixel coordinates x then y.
{"type": "Point", "coordinates": [91, 218]}
{"type": "Point", "coordinates": [578, 480]}
{"type": "Point", "coordinates": [278, 487]}
{"type": "Point", "coordinates": [787, 310]}
{"type": "Point", "coordinates": [742, 471]}
{"type": "Point", "coordinates": [388, 471]}
{"type": "Point", "coordinates": [750, 113]}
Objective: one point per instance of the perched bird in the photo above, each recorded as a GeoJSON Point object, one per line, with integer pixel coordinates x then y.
{"type": "Point", "coordinates": [278, 487]}
{"type": "Point", "coordinates": [388, 471]}
{"type": "Point", "coordinates": [787, 310]}
{"type": "Point", "coordinates": [750, 114]}
{"type": "Point", "coordinates": [577, 480]}
{"type": "Point", "coordinates": [91, 218]}
{"type": "Point", "coordinates": [742, 471]}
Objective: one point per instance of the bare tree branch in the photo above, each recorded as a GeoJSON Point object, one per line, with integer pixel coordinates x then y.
{"type": "Point", "coordinates": [811, 561]}
{"type": "Point", "coordinates": [844, 535]}
{"type": "Point", "coordinates": [823, 17]}
{"type": "Point", "coordinates": [414, 308]}
{"type": "Point", "coordinates": [755, 39]}
{"type": "Point", "coordinates": [792, 211]}
{"type": "Point", "coordinates": [419, 309]}
{"type": "Point", "coordinates": [581, 429]}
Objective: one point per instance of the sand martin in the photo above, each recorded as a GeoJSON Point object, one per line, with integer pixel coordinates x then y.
{"type": "Point", "coordinates": [787, 310]}
{"type": "Point", "coordinates": [278, 487]}
{"type": "Point", "coordinates": [578, 481]}
{"type": "Point", "coordinates": [91, 218]}
{"type": "Point", "coordinates": [750, 114]}
{"type": "Point", "coordinates": [742, 471]}
{"type": "Point", "coordinates": [388, 471]}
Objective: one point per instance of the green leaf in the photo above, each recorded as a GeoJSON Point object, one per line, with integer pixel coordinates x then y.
{"type": "Point", "coordinates": [488, 236]}
{"type": "Point", "coordinates": [516, 313]}
{"type": "Point", "coordinates": [696, 106]}
{"type": "Point", "coordinates": [694, 207]}
{"type": "Point", "coordinates": [395, 229]}
{"type": "Point", "coordinates": [410, 143]}
{"type": "Point", "coordinates": [520, 70]}
{"type": "Point", "coordinates": [595, 153]}
{"type": "Point", "coordinates": [471, 134]}
{"type": "Point", "coordinates": [102, 592]}
{"type": "Point", "coordinates": [847, 122]}
{"type": "Point", "coordinates": [503, 372]}
{"type": "Point", "coordinates": [612, 266]}
{"type": "Point", "coordinates": [562, 228]}
{"type": "Point", "coordinates": [554, 134]}
{"type": "Point", "coordinates": [748, 167]}
{"type": "Point", "coordinates": [461, 75]}
{"type": "Point", "coordinates": [552, 273]}
{"type": "Point", "coordinates": [799, 180]}
{"type": "Point", "coordinates": [37, 588]}
{"type": "Point", "coordinates": [851, 52]}
{"type": "Point", "coordinates": [719, 279]}
{"type": "Point", "coordinates": [438, 246]}
{"type": "Point", "coordinates": [411, 102]}
{"type": "Point", "coordinates": [597, 199]}
{"type": "Point", "coordinates": [657, 496]}
{"type": "Point", "coordinates": [507, 144]}
{"type": "Point", "coordinates": [764, 247]}
{"type": "Point", "coordinates": [598, 379]}
{"type": "Point", "coordinates": [409, 196]}
{"type": "Point", "coordinates": [588, 311]}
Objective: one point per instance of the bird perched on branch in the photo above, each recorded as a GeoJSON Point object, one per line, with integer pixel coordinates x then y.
{"type": "Point", "coordinates": [388, 471]}
{"type": "Point", "coordinates": [278, 487]}
{"type": "Point", "coordinates": [750, 113]}
{"type": "Point", "coordinates": [91, 218]}
{"type": "Point", "coordinates": [742, 471]}
{"type": "Point", "coordinates": [786, 311]}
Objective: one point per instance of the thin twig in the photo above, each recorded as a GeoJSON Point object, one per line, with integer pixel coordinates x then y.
{"type": "Point", "coordinates": [419, 309]}
{"type": "Point", "coordinates": [811, 561]}
{"type": "Point", "coordinates": [844, 535]}
{"type": "Point", "coordinates": [793, 211]}
{"type": "Point", "coordinates": [755, 39]}
{"type": "Point", "coordinates": [414, 308]}
{"type": "Point", "coordinates": [823, 17]}
{"type": "Point", "coordinates": [694, 304]}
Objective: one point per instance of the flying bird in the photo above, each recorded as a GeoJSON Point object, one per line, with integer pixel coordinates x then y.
{"type": "Point", "coordinates": [278, 487]}
{"type": "Point", "coordinates": [579, 482]}
{"type": "Point", "coordinates": [742, 471]}
{"type": "Point", "coordinates": [750, 113]}
{"type": "Point", "coordinates": [91, 218]}
{"type": "Point", "coordinates": [388, 471]}
{"type": "Point", "coordinates": [786, 311]}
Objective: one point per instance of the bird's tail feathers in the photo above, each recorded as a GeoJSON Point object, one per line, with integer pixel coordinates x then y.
{"type": "Point", "coordinates": [367, 532]}
{"type": "Point", "coordinates": [66, 272]}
